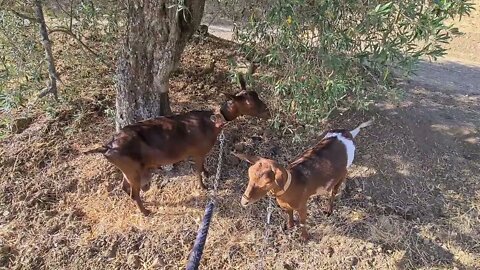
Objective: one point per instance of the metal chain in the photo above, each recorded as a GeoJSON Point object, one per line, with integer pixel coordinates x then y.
{"type": "Point", "coordinates": [197, 251]}
{"type": "Point", "coordinates": [219, 166]}
{"type": "Point", "coordinates": [266, 233]}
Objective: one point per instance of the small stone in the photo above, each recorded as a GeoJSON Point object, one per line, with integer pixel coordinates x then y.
{"type": "Point", "coordinates": [112, 251]}
{"type": "Point", "coordinates": [53, 229]}
{"type": "Point", "coordinates": [367, 156]}
{"type": "Point", "coordinates": [233, 160]}
{"type": "Point", "coordinates": [5, 255]}
{"type": "Point", "coordinates": [20, 124]}
{"type": "Point", "coordinates": [51, 213]}
{"type": "Point", "coordinates": [133, 261]}
{"type": "Point", "coordinates": [328, 251]}
{"type": "Point", "coordinates": [352, 260]}
{"type": "Point", "coordinates": [157, 263]}
{"type": "Point", "coordinates": [239, 147]}
{"type": "Point", "coordinates": [370, 252]}
{"type": "Point", "coordinates": [274, 151]}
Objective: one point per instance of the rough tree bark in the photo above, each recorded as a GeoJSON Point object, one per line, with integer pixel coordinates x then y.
{"type": "Point", "coordinates": [52, 71]}
{"type": "Point", "coordinates": [157, 33]}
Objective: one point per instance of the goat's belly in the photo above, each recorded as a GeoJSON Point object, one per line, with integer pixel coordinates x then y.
{"type": "Point", "coordinates": [321, 192]}
{"type": "Point", "coordinates": [155, 159]}
{"type": "Point", "coordinates": [325, 189]}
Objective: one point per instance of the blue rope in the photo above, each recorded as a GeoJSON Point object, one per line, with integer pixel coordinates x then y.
{"type": "Point", "coordinates": [196, 255]}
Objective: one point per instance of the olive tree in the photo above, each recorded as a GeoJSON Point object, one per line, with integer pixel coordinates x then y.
{"type": "Point", "coordinates": [156, 35]}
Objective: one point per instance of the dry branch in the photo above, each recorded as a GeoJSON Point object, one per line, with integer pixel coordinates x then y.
{"type": "Point", "coordinates": [52, 71]}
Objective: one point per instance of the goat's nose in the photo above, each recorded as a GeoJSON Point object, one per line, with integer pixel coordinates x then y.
{"type": "Point", "coordinates": [244, 201]}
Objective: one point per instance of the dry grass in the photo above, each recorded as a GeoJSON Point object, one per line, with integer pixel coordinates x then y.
{"type": "Point", "coordinates": [411, 202]}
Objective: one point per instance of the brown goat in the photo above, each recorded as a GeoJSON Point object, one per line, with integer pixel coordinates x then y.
{"type": "Point", "coordinates": [320, 170]}
{"type": "Point", "coordinates": [149, 144]}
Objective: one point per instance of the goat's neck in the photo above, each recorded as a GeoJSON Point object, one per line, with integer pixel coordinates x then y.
{"type": "Point", "coordinates": [228, 114]}
{"type": "Point", "coordinates": [283, 189]}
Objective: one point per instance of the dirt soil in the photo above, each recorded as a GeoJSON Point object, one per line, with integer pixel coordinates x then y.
{"type": "Point", "coordinates": [412, 200]}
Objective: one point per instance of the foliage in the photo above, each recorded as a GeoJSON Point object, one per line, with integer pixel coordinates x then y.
{"type": "Point", "coordinates": [330, 53]}
{"type": "Point", "coordinates": [22, 58]}
{"type": "Point", "coordinates": [23, 69]}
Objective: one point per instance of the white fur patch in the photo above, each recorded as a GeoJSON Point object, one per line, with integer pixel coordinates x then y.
{"type": "Point", "coordinates": [349, 146]}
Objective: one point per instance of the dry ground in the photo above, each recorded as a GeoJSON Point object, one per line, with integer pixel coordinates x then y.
{"type": "Point", "coordinates": [412, 201]}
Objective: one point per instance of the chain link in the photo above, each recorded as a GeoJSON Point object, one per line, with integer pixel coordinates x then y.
{"type": "Point", "coordinates": [266, 233]}
{"type": "Point", "coordinates": [219, 166]}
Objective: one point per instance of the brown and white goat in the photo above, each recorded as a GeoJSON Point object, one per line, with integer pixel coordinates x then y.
{"type": "Point", "coordinates": [139, 148]}
{"type": "Point", "coordinates": [320, 170]}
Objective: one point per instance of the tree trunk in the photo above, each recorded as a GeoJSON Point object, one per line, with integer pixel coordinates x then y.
{"type": "Point", "coordinates": [52, 71]}
{"type": "Point", "coordinates": [157, 32]}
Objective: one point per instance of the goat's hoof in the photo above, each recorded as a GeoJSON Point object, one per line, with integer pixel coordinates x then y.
{"type": "Point", "coordinates": [146, 212]}
{"type": "Point", "coordinates": [327, 212]}
{"type": "Point", "coordinates": [202, 186]}
{"type": "Point", "coordinates": [289, 225]}
{"type": "Point", "coordinates": [305, 236]}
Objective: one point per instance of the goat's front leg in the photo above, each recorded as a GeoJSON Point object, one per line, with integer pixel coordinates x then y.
{"type": "Point", "coordinates": [199, 168]}
{"type": "Point", "coordinates": [302, 213]}
{"type": "Point", "coordinates": [138, 201]}
{"type": "Point", "coordinates": [290, 221]}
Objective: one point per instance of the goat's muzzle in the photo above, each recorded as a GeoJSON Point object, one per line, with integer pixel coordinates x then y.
{"type": "Point", "coordinates": [265, 115]}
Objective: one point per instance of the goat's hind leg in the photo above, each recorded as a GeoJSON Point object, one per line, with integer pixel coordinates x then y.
{"type": "Point", "coordinates": [329, 210]}
{"type": "Point", "coordinates": [199, 168]}
{"type": "Point", "coordinates": [146, 180]}
{"type": "Point", "coordinates": [135, 182]}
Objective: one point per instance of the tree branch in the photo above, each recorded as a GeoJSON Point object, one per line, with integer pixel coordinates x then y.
{"type": "Point", "coordinates": [52, 71]}
{"type": "Point", "coordinates": [69, 32]}
{"type": "Point", "coordinates": [23, 16]}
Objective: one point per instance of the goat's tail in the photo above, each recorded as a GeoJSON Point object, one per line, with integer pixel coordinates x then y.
{"type": "Point", "coordinates": [362, 125]}
{"type": "Point", "coordinates": [101, 149]}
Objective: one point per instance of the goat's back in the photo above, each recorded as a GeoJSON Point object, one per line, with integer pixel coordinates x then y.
{"type": "Point", "coordinates": [166, 139]}
{"type": "Point", "coordinates": [321, 165]}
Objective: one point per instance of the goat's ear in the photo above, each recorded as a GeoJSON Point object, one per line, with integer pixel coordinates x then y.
{"type": "Point", "coordinates": [229, 96]}
{"type": "Point", "coordinates": [274, 172]}
{"type": "Point", "coordinates": [218, 120]}
{"type": "Point", "coordinates": [243, 92]}
{"type": "Point", "coordinates": [247, 158]}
